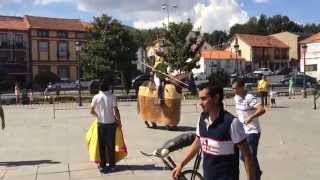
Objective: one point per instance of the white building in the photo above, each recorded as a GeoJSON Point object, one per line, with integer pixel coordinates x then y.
{"type": "Point", "coordinates": [214, 60]}
{"type": "Point", "coordinates": [312, 56]}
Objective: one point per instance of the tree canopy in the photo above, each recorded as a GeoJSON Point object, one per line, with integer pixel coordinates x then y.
{"type": "Point", "coordinates": [110, 47]}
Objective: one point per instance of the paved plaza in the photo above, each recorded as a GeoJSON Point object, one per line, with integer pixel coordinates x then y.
{"type": "Point", "coordinates": [34, 146]}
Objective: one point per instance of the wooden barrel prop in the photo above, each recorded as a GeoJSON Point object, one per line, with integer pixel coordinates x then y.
{"type": "Point", "coordinates": [167, 113]}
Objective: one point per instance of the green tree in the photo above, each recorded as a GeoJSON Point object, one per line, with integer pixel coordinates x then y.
{"type": "Point", "coordinates": [216, 38]}
{"type": "Point", "coordinates": [219, 78]}
{"type": "Point", "coordinates": [183, 46]}
{"type": "Point", "coordinates": [110, 47]}
{"type": "Point", "coordinates": [42, 79]}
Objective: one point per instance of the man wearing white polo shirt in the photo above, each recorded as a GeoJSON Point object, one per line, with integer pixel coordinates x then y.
{"type": "Point", "coordinates": [248, 110]}
{"type": "Point", "coordinates": [104, 107]}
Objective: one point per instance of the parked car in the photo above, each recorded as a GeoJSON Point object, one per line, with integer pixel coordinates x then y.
{"type": "Point", "coordinates": [63, 85]}
{"type": "Point", "coordinates": [298, 80]}
{"type": "Point", "coordinates": [283, 71]}
{"type": "Point", "coordinates": [263, 71]}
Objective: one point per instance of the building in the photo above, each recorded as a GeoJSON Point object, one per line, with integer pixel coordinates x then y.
{"type": "Point", "coordinates": [310, 56]}
{"type": "Point", "coordinates": [260, 51]}
{"type": "Point", "coordinates": [292, 40]}
{"type": "Point", "coordinates": [52, 43]}
{"type": "Point", "coordinates": [214, 60]}
{"type": "Point", "coordinates": [14, 49]}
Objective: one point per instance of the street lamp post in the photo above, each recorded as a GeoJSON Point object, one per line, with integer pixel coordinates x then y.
{"type": "Point", "coordinates": [236, 48]}
{"type": "Point", "coordinates": [78, 49]}
{"type": "Point", "coordinates": [304, 47]}
{"type": "Point", "coordinates": [167, 7]}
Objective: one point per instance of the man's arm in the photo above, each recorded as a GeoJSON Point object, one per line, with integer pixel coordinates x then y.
{"type": "Point", "coordinates": [259, 111]}
{"type": "Point", "coordinates": [3, 123]}
{"type": "Point", "coordinates": [248, 160]}
{"type": "Point", "coordinates": [93, 112]}
{"type": "Point", "coordinates": [193, 150]}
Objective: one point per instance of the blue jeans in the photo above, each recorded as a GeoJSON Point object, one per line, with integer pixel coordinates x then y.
{"type": "Point", "coordinates": [253, 142]}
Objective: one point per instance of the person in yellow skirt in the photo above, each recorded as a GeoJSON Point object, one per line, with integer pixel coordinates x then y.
{"type": "Point", "coordinates": [104, 108]}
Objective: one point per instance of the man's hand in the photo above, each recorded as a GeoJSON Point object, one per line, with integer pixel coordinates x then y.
{"type": "Point", "coordinates": [248, 121]}
{"type": "Point", "coordinates": [176, 171]}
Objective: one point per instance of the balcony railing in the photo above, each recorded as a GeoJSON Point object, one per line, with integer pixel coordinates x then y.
{"type": "Point", "coordinates": [12, 45]}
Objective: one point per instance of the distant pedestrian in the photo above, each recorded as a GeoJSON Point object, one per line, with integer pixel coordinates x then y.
{"type": "Point", "coordinates": [291, 88]}
{"type": "Point", "coordinates": [263, 88]}
{"type": "Point", "coordinates": [273, 95]}
{"type": "Point", "coordinates": [30, 95]}
{"type": "Point", "coordinates": [104, 108]}
{"type": "Point", "coordinates": [17, 92]}
{"type": "Point", "coordinates": [248, 110]}
{"type": "Point", "coordinates": [3, 123]}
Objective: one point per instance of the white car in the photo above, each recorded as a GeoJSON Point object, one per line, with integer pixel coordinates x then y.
{"type": "Point", "coordinates": [263, 71]}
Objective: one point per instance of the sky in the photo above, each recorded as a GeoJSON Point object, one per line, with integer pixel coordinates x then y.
{"type": "Point", "coordinates": [207, 15]}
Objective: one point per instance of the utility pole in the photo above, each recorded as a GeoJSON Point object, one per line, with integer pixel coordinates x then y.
{"type": "Point", "coordinates": [167, 6]}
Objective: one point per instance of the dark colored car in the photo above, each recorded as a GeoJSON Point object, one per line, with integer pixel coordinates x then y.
{"type": "Point", "coordinates": [298, 81]}
{"type": "Point", "coordinates": [137, 81]}
{"type": "Point", "coordinates": [283, 71]}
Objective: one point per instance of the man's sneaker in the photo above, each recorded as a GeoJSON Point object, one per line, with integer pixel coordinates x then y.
{"type": "Point", "coordinates": [112, 168]}
{"type": "Point", "coordinates": [103, 170]}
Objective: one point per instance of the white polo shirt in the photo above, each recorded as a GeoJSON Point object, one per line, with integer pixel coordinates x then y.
{"type": "Point", "coordinates": [103, 104]}
{"type": "Point", "coordinates": [245, 107]}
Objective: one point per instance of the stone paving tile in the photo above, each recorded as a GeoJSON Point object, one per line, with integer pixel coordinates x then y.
{"type": "Point", "coordinates": [51, 169]}
{"type": "Point", "coordinates": [53, 176]}
{"type": "Point", "coordinates": [20, 172]}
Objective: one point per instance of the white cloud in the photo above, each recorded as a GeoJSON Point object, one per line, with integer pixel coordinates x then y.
{"type": "Point", "coordinates": [46, 2]}
{"type": "Point", "coordinates": [261, 1]}
{"type": "Point", "coordinates": [208, 14]}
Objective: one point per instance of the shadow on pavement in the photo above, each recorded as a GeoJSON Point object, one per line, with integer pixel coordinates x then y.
{"type": "Point", "coordinates": [146, 167]}
{"type": "Point", "coordinates": [279, 107]}
{"type": "Point", "coordinates": [179, 128]}
{"type": "Point", "coordinates": [28, 163]}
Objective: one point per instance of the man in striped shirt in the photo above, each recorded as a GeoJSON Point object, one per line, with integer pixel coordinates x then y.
{"type": "Point", "coordinates": [248, 110]}
{"type": "Point", "coordinates": [220, 135]}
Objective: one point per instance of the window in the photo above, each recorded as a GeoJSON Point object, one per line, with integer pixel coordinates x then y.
{"type": "Point", "coordinates": [63, 72]}
{"type": "Point", "coordinates": [62, 34]}
{"type": "Point", "coordinates": [43, 46]}
{"type": "Point", "coordinates": [4, 40]}
{"type": "Point", "coordinates": [284, 53]}
{"type": "Point", "coordinates": [44, 69]}
{"type": "Point", "coordinates": [43, 33]}
{"type": "Point", "coordinates": [19, 40]}
{"type": "Point", "coordinates": [80, 35]}
{"type": "Point", "coordinates": [311, 67]}
{"type": "Point", "coordinates": [277, 53]}
{"type": "Point", "coordinates": [62, 49]}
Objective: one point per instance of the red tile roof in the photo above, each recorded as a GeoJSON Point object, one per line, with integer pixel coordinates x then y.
{"type": "Point", "coordinates": [261, 41]}
{"type": "Point", "coordinates": [13, 23]}
{"type": "Point", "coordinates": [219, 55]}
{"type": "Point", "coordinates": [313, 38]}
{"type": "Point", "coordinates": [37, 22]}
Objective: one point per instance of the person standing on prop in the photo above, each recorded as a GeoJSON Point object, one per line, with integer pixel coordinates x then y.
{"type": "Point", "coordinates": [160, 68]}
{"type": "Point", "coordinates": [104, 107]}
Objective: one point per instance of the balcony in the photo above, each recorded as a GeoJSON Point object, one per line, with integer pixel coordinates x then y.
{"type": "Point", "coordinates": [13, 45]}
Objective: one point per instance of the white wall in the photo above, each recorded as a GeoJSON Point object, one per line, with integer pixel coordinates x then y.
{"type": "Point", "coordinates": [209, 66]}
{"type": "Point", "coordinates": [312, 57]}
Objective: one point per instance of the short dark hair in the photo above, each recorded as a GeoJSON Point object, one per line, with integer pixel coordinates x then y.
{"type": "Point", "coordinates": [239, 82]}
{"type": "Point", "coordinates": [104, 86]}
{"type": "Point", "coordinates": [213, 90]}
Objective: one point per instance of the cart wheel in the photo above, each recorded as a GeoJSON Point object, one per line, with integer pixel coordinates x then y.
{"type": "Point", "coordinates": [190, 175]}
